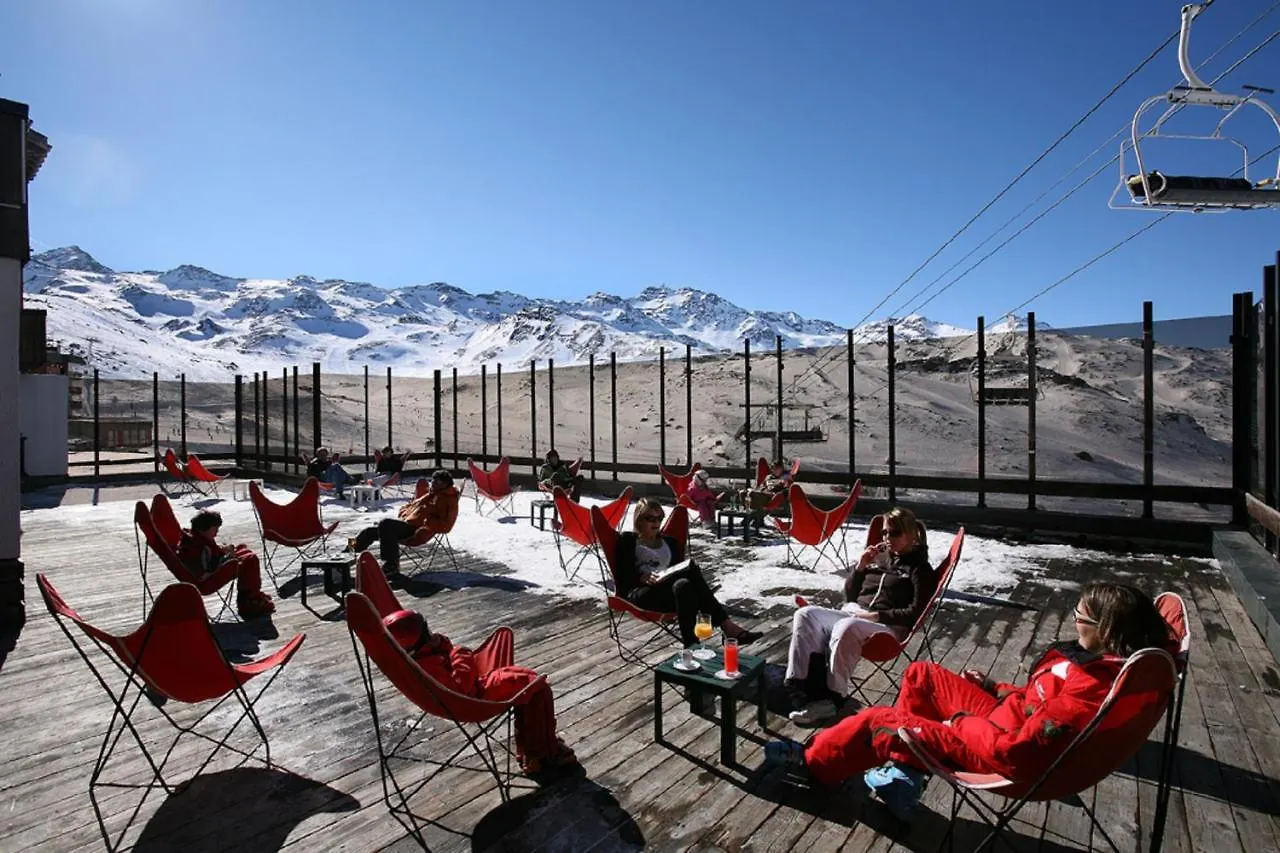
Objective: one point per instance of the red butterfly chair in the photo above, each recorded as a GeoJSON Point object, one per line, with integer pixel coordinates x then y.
{"type": "Point", "coordinates": [200, 474]}
{"type": "Point", "coordinates": [411, 547]}
{"type": "Point", "coordinates": [146, 529]}
{"type": "Point", "coordinates": [883, 649]}
{"type": "Point", "coordinates": [295, 525]}
{"type": "Point", "coordinates": [778, 501]}
{"type": "Point", "coordinates": [665, 625]}
{"type": "Point", "coordinates": [1133, 707]}
{"type": "Point", "coordinates": [574, 468]}
{"type": "Point", "coordinates": [815, 528]}
{"type": "Point", "coordinates": [479, 721]}
{"type": "Point", "coordinates": [1174, 611]}
{"type": "Point", "coordinates": [495, 485]}
{"type": "Point", "coordinates": [173, 655]}
{"type": "Point", "coordinates": [179, 472]}
{"type": "Point", "coordinates": [167, 523]}
{"type": "Point", "coordinates": [573, 522]}
{"type": "Point", "coordinates": [306, 462]}
{"type": "Point", "coordinates": [678, 483]}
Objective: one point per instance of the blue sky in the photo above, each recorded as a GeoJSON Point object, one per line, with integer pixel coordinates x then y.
{"type": "Point", "coordinates": [800, 156]}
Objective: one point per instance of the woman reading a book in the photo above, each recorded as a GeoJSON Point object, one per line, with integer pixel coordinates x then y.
{"type": "Point", "coordinates": [651, 572]}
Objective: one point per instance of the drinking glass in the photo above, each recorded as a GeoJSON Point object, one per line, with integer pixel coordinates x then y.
{"type": "Point", "coordinates": [730, 656]}
{"type": "Point", "coordinates": [702, 630]}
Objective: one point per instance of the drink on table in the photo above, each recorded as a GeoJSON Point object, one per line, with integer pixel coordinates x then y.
{"type": "Point", "coordinates": [702, 630]}
{"type": "Point", "coordinates": [731, 656]}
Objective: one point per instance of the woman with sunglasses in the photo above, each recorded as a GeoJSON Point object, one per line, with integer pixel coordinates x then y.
{"type": "Point", "coordinates": [977, 725]}
{"type": "Point", "coordinates": [643, 553]}
{"type": "Point", "coordinates": [888, 591]}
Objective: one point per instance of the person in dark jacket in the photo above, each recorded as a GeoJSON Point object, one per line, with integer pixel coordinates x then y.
{"type": "Point", "coordinates": [213, 565]}
{"type": "Point", "coordinates": [327, 470]}
{"type": "Point", "coordinates": [888, 591]}
{"type": "Point", "coordinates": [643, 554]}
{"type": "Point", "coordinates": [557, 473]}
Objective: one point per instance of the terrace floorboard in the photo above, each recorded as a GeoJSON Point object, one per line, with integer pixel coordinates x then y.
{"type": "Point", "coordinates": [325, 792]}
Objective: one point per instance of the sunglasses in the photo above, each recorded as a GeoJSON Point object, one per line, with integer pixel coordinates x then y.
{"type": "Point", "coordinates": [656, 519]}
{"type": "Point", "coordinates": [1082, 619]}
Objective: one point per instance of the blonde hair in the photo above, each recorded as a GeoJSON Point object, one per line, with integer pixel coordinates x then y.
{"type": "Point", "coordinates": [646, 505]}
{"type": "Point", "coordinates": [901, 518]}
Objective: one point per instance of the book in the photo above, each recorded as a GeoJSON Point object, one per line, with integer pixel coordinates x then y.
{"type": "Point", "coordinates": [659, 577]}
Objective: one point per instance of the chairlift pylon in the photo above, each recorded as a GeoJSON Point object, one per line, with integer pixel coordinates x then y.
{"type": "Point", "coordinates": [1158, 191]}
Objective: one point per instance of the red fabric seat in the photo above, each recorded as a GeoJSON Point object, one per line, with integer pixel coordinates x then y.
{"type": "Point", "coordinates": [679, 483]}
{"type": "Point", "coordinates": [573, 522]}
{"type": "Point", "coordinates": [164, 544]}
{"type": "Point", "coordinates": [816, 528]}
{"type": "Point", "coordinates": [778, 501]}
{"type": "Point", "coordinates": [296, 525]}
{"type": "Point", "coordinates": [574, 468]}
{"type": "Point", "coordinates": [494, 486]}
{"type": "Point", "coordinates": [1137, 700]}
{"type": "Point", "coordinates": [173, 655]}
{"type": "Point", "coordinates": [1174, 611]}
{"type": "Point", "coordinates": [200, 474]}
{"type": "Point", "coordinates": [664, 625]}
{"type": "Point", "coordinates": [178, 471]}
{"type": "Point", "coordinates": [412, 547]}
{"type": "Point", "coordinates": [480, 722]}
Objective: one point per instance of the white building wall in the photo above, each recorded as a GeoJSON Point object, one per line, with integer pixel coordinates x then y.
{"type": "Point", "coordinates": [44, 423]}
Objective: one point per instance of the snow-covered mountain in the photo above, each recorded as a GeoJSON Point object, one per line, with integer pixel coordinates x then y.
{"type": "Point", "coordinates": [194, 321]}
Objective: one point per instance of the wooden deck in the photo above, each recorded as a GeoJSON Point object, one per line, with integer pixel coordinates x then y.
{"type": "Point", "coordinates": [325, 793]}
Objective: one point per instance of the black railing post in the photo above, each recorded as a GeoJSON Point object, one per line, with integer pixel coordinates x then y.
{"type": "Point", "coordinates": [778, 450]}
{"type": "Point", "coordinates": [688, 404]}
{"type": "Point", "coordinates": [1270, 422]}
{"type": "Point", "coordinates": [591, 409]}
{"type": "Point", "coordinates": [239, 420]}
{"type": "Point", "coordinates": [484, 415]}
{"type": "Point", "coordinates": [853, 420]}
{"type": "Point", "coordinates": [1243, 382]}
{"type": "Point", "coordinates": [297, 430]}
{"type": "Point", "coordinates": [284, 418]}
{"type": "Point", "coordinates": [317, 435]}
{"type": "Point", "coordinates": [257, 434]}
{"type": "Point", "coordinates": [155, 417]}
{"type": "Point", "coordinates": [892, 362]}
{"type": "Point", "coordinates": [981, 403]}
{"type": "Point", "coordinates": [1031, 410]}
{"type": "Point", "coordinates": [533, 416]}
{"type": "Point", "coordinates": [182, 413]}
{"type": "Point", "coordinates": [662, 405]}
{"type": "Point", "coordinates": [551, 404]}
{"type": "Point", "coordinates": [390, 416]}
{"type": "Point", "coordinates": [1148, 409]}
{"type": "Point", "coordinates": [455, 418]}
{"type": "Point", "coordinates": [266, 422]}
{"type": "Point", "coordinates": [497, 387]}
{"type": "Point", "coordinates": [366, 411]}
{"type": "Point", "coordinates": [437, 393]}
{"type": "Point", "coordinates": [97, 422]}
{"type": "Point", "coordinates": [746, 408]}
{"type": "Point", "coordinates": [613, 411]}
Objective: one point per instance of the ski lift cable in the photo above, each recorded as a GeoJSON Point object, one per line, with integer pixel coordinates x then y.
{"type": "Point", "coordinates": [908, 307]}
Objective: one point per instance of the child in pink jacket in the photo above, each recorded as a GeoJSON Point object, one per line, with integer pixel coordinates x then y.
{"type": "Point", "coordinates": [704, 500]}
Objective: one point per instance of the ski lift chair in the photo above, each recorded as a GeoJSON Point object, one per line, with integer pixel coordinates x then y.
{"type": "Point", "coordinates": [1159, 191]}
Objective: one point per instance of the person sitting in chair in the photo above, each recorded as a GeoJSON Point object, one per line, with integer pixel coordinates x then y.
{"type": "Point", "coordinates": [199, 551]}
{"type": "Point", "coordinates": [436, 511]}
{"type": "Point", "coordinates": [541, 753]}
{"type": "Point", "coordinates": [327, 470]}
{"type": "Point", "coordinates": [888, 591]}
{"type": "Point", "coordinates": [389, 464]}
{"type": "Point", "coordinates": [556, 473]}
{"type": "Point", "coordinates": [643, 553]}
{"type": "Point", "coordinates": [703, 498]}
{"type": "Point", "coordinates": [757, 498]}
{"type": "Point", "coordinates": [977, 725]}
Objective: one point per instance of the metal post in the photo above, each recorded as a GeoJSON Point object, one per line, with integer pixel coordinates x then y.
{"type": "Point", "coordinates": [1269, 395]}
{"type": "Point", "coordinates": [1242, 384]}
{"type": "Point", "coordinates": [455, 418]}
{"type": "Point", "coordinates": [97, 438]}
{"type": "Point", "coordinates": [591, 409]}
{"type": "Point", "coordinates": [182, 412]}
{"type": "Point", "coordinates": [779, 451]}
{"type": "Point", "coordinates": [688, 404]}
{"type": "Point", "coordinates": [239, 419]}
{"type": "Point", "coordinates": [266, 423]}
{"type": "Point", "coordinates": [390, 417]}
{"type": "Point", "coordinates": [853, 421]}
{"type": "Point", "coordinates": [297, 446]}
{"type": "Point", "coordinates": [613, 407]}
{"type": "Point", "coordinates": [662, 405]}
{"type": "Point", "coordinates": [1031, 410]}
{"type": "Point", "coordinates": [257, 435]}
{"type": "Point", "coordinates": [551, 403]}
{"type": "Point", "coordinates": [484, 414]}
{"type": "Point", "coordinates": [366, 411]}
{"type": "Point", "coordinates": [155, 418]}
{"type": "Point", "coordinates": [498, 389]}
{"type": "Point", "coordinates": [746, 406]}
{"type": "Point", "coordinates": [1148, 410]}
{"type": "Point", "coordinates": [315, 404]}
{"type": "Point", "coordinates": [533, 416]}
{"type": "Point", "coordinates": [893, 419]}
{"type": "Point", "coordinates": [982, 411]}
{"type": "Point", "coordinates": [284, 417]}
{"type": "Point", "coordinates": [439, 437]}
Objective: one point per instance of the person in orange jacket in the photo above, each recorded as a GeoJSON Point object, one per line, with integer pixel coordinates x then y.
{"type": "Point", "coordinates": [437, 511]}
{"type": "Point", "coordinates": [542, 754]}
{"type": "Point", "coordinates": [980, 726]}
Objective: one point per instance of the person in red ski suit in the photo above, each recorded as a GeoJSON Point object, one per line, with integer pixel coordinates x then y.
{"type": "Point", "coordinates": [213, 566]}
{"type": "Point", "coordinates": [539, 750]}
{"type": "Point", "coordinates": [976, 725]}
